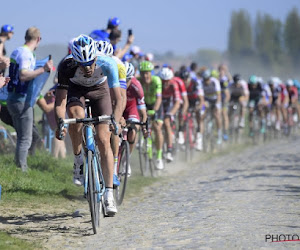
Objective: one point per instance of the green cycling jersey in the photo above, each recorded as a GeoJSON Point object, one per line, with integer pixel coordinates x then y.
{"type": "Point", "coordinates": [152, 90]}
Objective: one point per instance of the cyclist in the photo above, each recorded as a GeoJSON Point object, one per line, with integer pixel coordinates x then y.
{"type": "Point", "coordinates": [257, 100]}
{"type": "Point", "coordinates": [183, 108]}
{"type": "Point", "coordinates": [237, 94]}
{"type": "Point", "coordinates": [135, 107]}
{"type": "Point", "coordinates": [106, 48]}
{"type": "Point", "coordinates": [152, 87]}
{"type": "Point", "coordinates": [212, 95]}
{"type": "Point", "coordinates": [84, 74]}
{"type": "Point", "coordinates": [293, 95]}
{"type": "Point", "coordinates": [171, 104]}
{"type": "Point", "coordinates": [196, 102]}
{"type": "Point", "coordinates": [225, 94]}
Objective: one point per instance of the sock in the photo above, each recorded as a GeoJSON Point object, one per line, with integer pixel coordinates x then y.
{"type": "Point", "coordinates": [115, 165]}
{"type": "Point", "coordinates": [109, 192]}
{"type": "Point", "coordinates": [159, 154]}
{"type": "Point", "coordinates": [78, 159]}
{"type": "Point", "coordinates": [170, 149]}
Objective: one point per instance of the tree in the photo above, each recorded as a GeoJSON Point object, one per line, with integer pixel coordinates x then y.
{"type": "Point", "coordinates": [292, 35]}
{"type": "Point", "coordinates": [268, 33]}
{"type": "Point", "coordinates": [240, 34]}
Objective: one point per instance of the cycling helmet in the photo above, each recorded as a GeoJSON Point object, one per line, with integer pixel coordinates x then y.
{"type": "Point", "coordinates": [105, 48]}
{"type": "Point", "coordinates": [253, 79]}
{"type": "Point", "coordinates": [166, 74]}
{"type": "Point", "coordinates": [215, 73]}
{"type": "Point", "coordinates": [272, 81]}
{"type": "Point", "coordinates": [114, 21]}
{"type": "Point", "coordinates": [149, 57]}
{"type": "Point", "coordinates": [184, 74]}
{"type": "Point", "coordinates": [206, 74]}
{"type": "Point", "coordinates": [7, 28]}
{"type": "Point", "coordinates": [237, 78]}
{"type": "Point", "coordinates": [260, 80]}
{"type": "Point", "coordinates": [289, 82]}
{"type": "Point", "coordinates": [129, 70]}
{"type": "Point", "coordinates": [146, 66]}
{"type": "Point", "coordinates": [84, 49]}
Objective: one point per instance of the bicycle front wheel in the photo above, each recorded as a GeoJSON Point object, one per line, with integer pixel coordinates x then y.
{"type": "Point", "coordinates": [122, 172]}
{"type": "Point", "coordinates": [92, 193]}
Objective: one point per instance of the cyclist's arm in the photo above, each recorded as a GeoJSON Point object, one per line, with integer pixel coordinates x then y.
{"type": "Point", "coordinates": [60, 103]}
{"type": "Point", "coordinates": [117, 99]}
{"type": "Point", "coordinates": [185, 105]}
{"type": "Point", "coordinates": [227, 95]}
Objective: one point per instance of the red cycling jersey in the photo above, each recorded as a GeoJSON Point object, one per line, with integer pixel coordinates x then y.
{"type": "Point", "coordinates": [181, 86]}
{"type": "Point", "coordinates": [293, 92]}
{"type": "Point", "coordinates": [194, 90]}
{"type": "Point", "coordinates": [171, 93]}
{"type": "Point", "coordinates": [135, 100]}
{"type": "Point", "coordinates": [284, 93]}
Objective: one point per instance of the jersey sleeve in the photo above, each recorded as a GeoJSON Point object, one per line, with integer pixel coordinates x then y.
{"type": "Point", "coordinates": [181, 86]}
{"type": "Point", "coordinates": [66, 70]}
{"type": "Point", "coordinates": [199, 88]}
{"type": "Point", "coordinates": [122, 75]}
{"type": "Point", "coordinates": [218, 85]}
{"type": "Point", "coordinates": [110, 70]}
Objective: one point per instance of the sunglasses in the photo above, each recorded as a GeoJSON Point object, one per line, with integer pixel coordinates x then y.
{"type": "Point", "coordinates": [87, 63]}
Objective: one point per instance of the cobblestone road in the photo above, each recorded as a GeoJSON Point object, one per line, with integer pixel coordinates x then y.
{"type": "Point", "coordinates": [232, 201]}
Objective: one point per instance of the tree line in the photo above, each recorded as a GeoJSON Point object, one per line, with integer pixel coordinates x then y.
{"type": "Point", "coordinates": [266, 45]}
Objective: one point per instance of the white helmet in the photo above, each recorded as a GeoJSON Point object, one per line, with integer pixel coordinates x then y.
{"type": "Point", "coordinates": [289, 82]}
{"type": "Point", "coordinates": [129, 70]}
{"type": "Point", "coordinates": [166, 73]}
{"type": "Point", "coordinates": [105, 48]}
{"type": "Point", "coordinates": [260, 80]}
{"type": "Point", "coordinates": [83, 49]}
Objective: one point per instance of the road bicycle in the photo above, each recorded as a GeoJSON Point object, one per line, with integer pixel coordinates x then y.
{"type": "Point", "coordinates": [189, 135]}
{"type": "Point", "coordinates": [94, 184]}
{"type": "Point", "coordinates": [234, 117]}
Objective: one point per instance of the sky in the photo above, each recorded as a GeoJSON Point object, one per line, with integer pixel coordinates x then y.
{"type": "Point", "coordinates": [158, 25]}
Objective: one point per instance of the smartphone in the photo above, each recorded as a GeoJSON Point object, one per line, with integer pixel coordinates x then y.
{"type": "Point", "coordinates": [129, 32]}
{"type": "Point", "coordinates": [50, 57]}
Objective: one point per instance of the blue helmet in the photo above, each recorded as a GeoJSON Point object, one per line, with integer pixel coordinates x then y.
{"type": "Point", "coordinates": [114, 21]}
{"type": "Point", "coordinates": [206, 74]}
{"type": "Point", "coordinates": [7, 28]}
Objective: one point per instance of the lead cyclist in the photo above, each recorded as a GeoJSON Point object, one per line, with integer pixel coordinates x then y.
{"type": "Point", "coordinates": [86, 75]}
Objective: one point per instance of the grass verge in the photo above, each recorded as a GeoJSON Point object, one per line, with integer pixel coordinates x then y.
{"type": "Point", "coordinates": [12, 243]}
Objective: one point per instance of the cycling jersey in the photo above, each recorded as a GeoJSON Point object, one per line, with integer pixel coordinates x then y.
{"type": "Point", "coordinates": [181, 87]}
{"type": "Point", "coordinates": [212, 89]}
{"type": "Point", "coordinates": [105, 69]}
{"type": "Point", "coordinates": [245, 87]}
{"type": "Point", "coordinates": [293, 92]}
{"type": "Point", "coordinates": [135, 100]}
{"type": "Point", "coordinates": [170, 95]}
{"type": "Point", "coordinates": [236, 91]}
{"type": "Point", "coordinates": [194, 89]}
{"type": "Point", "coordinates": [224, 83]}
{"type": "Point", "coordinates": [153, 90]}
{"type": "Point", "coordinates": [122, 72]}
{"type": "Point", "coordinates": [255, 93]}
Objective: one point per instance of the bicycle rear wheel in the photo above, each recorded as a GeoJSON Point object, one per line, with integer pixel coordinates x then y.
{"type": "Point", "coordinates": [122, 172]}
{"type": "Point", "coordinates": [92, 193]}
{"type": "Point", "coordinates": [143, 156]}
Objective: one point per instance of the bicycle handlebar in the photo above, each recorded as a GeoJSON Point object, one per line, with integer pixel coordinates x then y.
{"type": "Point", "coordinates": [102, 118]}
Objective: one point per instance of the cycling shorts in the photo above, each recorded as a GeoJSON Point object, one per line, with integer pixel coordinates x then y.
{"type": "Point", "coordinates": [98, 95]}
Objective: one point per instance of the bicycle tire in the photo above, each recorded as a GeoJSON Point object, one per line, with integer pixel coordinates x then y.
{"type": "Point", "coordinates": [122, 172]}
{"type": "Point", "coordinates": [143, 156]}
{"type": "Point", "coordinates": [92, 194]}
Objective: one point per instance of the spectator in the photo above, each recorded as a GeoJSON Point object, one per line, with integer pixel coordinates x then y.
{"type": "Point", "coordinates": [115, 37]}
{"type": "Point", "coordinates": [46, 103]}
{"type": "Point", "coordinates": [113, 24]}
{"type": "Point", "coordinates": [135, 52]}
{"type": "Point", "coordinates": [21, 73]}
{"type": "Point", "coordinates": [7, 32]}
